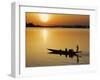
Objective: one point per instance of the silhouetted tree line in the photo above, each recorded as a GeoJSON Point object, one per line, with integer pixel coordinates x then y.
{"type": "Point", "coordinates": [58, 26]}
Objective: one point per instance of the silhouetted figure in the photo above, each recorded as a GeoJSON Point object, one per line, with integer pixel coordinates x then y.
{"type": "Point", "coordinates": [77, 48]}
{"type": "Point", "coordinates": [60, 52]}
{"type": "Point", "coordinates": [66, 49]}
{"type": "Point", "coordinates": [66, 52]}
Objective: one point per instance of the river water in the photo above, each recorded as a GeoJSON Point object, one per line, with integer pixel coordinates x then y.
{"type": "Point", "coordinates": [39, 39]}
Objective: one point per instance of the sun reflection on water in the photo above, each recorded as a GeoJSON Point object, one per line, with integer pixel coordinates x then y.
{"type": "Point", "coordinates": [45, 34]}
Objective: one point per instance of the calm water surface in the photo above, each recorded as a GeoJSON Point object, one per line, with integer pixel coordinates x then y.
{"type": "Point", "coordinates": [39, 39]}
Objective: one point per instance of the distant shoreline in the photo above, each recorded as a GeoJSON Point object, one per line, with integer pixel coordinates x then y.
{"type": "Point", "coordinates": [57, 26]}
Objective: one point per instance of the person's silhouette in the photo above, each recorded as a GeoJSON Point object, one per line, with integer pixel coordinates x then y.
{"type": "Point", "coordinates": [77, 48]}
{"type": "Point", "coordinates": [66, 52]}
{"type": "Point", "coordinates": [66, 49]}
{"type": "Point", "coordinates": [60, 52]}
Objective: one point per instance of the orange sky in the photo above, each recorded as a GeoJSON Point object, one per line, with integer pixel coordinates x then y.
{"type": "Point", "coordinates": [57, 19]}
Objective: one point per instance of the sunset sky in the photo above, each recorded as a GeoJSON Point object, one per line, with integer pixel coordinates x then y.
{"type": "Point", "coordinates": [45, 19]}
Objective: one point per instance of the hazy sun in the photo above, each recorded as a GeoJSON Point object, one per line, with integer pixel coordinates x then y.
{"type": "Point", "coordinates": [44, 17]}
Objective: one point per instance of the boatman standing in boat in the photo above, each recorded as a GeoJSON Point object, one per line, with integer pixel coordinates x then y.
{"type": "Point", "coordinates": [77, 48]}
